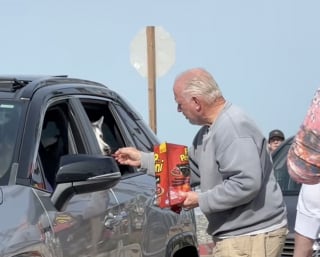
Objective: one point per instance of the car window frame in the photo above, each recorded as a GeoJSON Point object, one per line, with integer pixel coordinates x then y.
{"type": "Point", "coordinates": [74, 134]}
{"type": "Point", "coordinates": [143, 127]}
{"type": "Point", "coordinates": [126, 171]}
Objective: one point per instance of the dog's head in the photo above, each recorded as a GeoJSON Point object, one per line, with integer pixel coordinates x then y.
{"type": "Point", "coordinates": [97, 129]}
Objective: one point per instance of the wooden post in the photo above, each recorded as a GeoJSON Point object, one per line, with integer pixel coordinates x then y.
{"type": "Point", "coordinates": [152, 77]}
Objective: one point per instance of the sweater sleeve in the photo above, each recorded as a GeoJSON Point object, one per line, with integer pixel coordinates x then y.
{"type": "Point", "coordinates": [147, 162]}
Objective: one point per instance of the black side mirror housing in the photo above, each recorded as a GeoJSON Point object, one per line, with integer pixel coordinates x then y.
{"type": "Point", "coordinates": [80, 174]}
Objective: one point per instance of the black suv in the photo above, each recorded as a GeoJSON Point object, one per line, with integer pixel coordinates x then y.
{"type": "Point", "coordinates": [61, 194]}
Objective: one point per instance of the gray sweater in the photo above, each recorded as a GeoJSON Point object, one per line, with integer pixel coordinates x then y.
{"type": "Point", "coordinates": [239, 193]}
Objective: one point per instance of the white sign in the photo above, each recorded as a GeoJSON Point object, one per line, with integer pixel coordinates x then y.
{"type": "Point", "coordinates": [164, 52]}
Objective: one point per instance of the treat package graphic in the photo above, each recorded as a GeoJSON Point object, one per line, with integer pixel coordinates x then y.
{"type": "Point", "coordinates": [172, 174]}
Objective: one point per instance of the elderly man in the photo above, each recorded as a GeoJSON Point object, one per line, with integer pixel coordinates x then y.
{"type": "Point", "coordinates": [229, 158]}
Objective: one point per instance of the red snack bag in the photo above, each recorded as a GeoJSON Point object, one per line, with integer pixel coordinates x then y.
{"type": "Point", "coordinates": [172, 174]}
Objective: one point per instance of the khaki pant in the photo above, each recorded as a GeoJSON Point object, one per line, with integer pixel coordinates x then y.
{"type": "Point", "coordinates": [262, 245]}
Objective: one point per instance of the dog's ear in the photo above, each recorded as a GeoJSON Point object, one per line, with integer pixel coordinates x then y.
{"type": "Point", "coordinates": [100, 121]}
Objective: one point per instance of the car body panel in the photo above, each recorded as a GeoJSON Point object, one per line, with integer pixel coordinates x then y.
{"type": "Point", "coordinates": [20, 226]}
{"type": "Point", "coordinates": [98, 209]}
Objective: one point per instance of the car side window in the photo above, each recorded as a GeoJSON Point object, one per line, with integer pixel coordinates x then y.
{"type": "Point", "coordinates": [104, 126]}
{"type": "Point", "coordinates": [59, 137]}
{"type": "Point", "coordinates": [139, 131]}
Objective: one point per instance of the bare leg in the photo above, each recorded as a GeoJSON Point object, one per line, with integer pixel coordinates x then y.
{"type": "Point", "coordinates": [303, 246]}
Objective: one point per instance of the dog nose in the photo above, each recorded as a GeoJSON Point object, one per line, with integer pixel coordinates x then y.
{"type": "Point", "coordinates": [107, 150]}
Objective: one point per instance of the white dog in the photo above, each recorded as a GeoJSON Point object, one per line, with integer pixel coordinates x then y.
{"type": "Point", "coordinates": [97, 129]}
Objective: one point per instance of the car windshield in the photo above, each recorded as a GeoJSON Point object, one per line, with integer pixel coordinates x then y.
{"type": "Point", "coordinates": [9, 118]}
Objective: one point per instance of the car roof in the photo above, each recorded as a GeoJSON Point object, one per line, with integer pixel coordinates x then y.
{"type": "Point", "coordinates": [17, 86]}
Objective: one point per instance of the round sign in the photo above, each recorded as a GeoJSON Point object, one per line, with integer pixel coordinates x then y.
{"type": "Point", "coordinates": [164, 52]}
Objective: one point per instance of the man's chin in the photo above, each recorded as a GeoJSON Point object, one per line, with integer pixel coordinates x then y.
{"type": "Point", "coordinates": [192, 122]}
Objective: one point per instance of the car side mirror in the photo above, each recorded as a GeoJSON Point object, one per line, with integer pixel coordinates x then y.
{"type": "Point", "coordinates": [81, 173]}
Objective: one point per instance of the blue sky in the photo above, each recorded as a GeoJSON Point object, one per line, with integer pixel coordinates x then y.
{"type": "Point", "coordinates": [264, 54]}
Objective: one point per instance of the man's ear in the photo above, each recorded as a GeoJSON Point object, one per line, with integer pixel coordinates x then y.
{"type": "Point", "coordinates": [197, 103]}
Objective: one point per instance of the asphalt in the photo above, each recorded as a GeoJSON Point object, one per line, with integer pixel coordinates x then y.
{"type": "Point", "coordinates": [204, 240]}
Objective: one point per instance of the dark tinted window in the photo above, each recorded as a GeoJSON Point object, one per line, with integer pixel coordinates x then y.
{"type": "Point", "coordinates": [59, 136]}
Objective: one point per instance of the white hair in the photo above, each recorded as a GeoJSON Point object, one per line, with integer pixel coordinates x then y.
{"type": "Point", "coordinates": [201, 83]}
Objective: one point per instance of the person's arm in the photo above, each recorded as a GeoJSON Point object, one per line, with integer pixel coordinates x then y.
{"type": "Point", "coordinates": [147, 162]}
{"type": "Point", "coordinates": [303, 158]}
{"type": "Point", "coordinates": [133, 157]}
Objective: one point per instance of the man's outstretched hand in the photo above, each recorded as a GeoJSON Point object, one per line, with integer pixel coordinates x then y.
{"type": "Point", "coordinates": [128, 156]}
